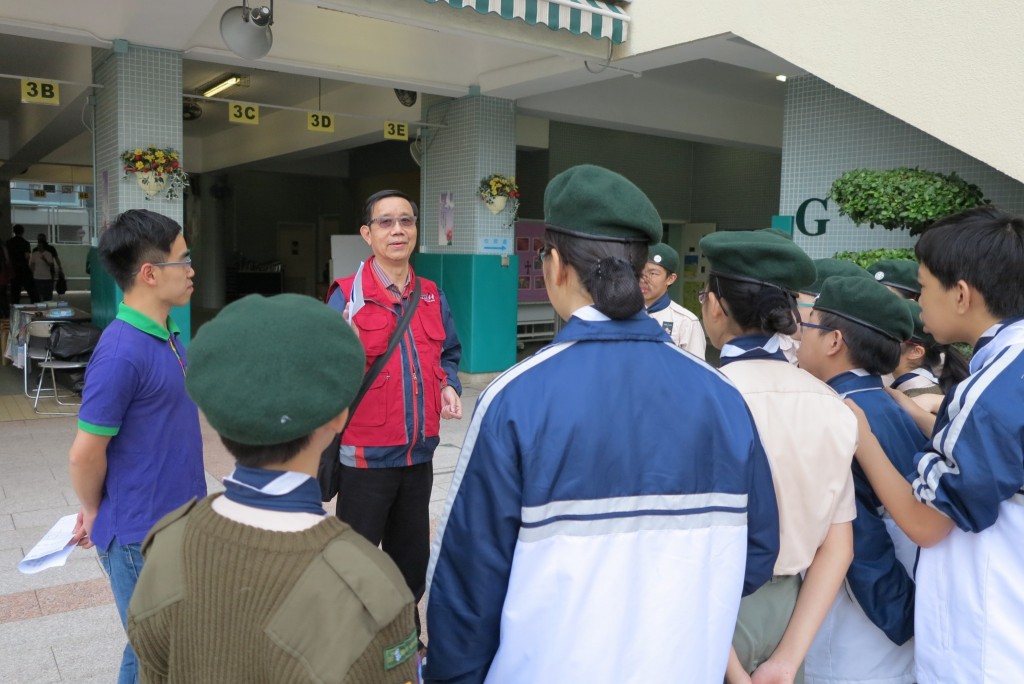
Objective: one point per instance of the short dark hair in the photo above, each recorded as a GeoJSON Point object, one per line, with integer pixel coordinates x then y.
{"type": "Point", "coordinates": [608, 269]}
{"type": "Point", "coordinates": [984, 247]}
{"type": "Point", "coordinates": [135, 237]}
{"type": "Point", "coordinates": [755, 306]}
{"type": "Point", "coordinates": [262, 455]}
{"type": "Point", "coordinates": [869, 349]}
{"type": "Point", "coordinates": [384, 194]}
{"type": "Point", "coordinates": [18, 229]}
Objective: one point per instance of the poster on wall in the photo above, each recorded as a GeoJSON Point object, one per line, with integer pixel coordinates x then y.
{"type": "Point", "coordinates": [446, 218]}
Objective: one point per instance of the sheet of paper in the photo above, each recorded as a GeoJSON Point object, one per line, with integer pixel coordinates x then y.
{"type": "Point", "coordinates": [53, 549]}
{"type": "Point", "coordinates": [357, 301]}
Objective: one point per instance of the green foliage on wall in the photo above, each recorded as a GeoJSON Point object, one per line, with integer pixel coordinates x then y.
{"type": "Point", "coordinates": [902, 198]}
{"type": "Point", "coordinates": [870, 256]}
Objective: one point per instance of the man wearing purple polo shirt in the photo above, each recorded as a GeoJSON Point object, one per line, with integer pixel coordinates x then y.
{"type": "Point", "coordinates": [138, 453]}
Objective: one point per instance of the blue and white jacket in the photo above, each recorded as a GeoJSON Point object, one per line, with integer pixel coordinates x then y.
{"type": "Point", "coordinates": [970, 586]}
{"type": "Point", "coordinates": [868, 634]}
{"type": "Point", "coordinates": [611, 503]}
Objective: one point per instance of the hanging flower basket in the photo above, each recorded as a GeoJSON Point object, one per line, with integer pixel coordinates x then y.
{"type": "Point", "coordinates": [157, 171]}
{"type": "Point", "coordinates": [497, 186]}
{"type": "Point", "coordinates": [496, 205]}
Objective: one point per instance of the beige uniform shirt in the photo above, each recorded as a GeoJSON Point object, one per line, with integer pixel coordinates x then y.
{"type": "Point", "coordinates": [810, 437]}
{"type": "Point", "coordinates": [683, 327]}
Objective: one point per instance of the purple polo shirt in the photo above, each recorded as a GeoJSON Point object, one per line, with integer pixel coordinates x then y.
{"type": "Point", "coordinates": [135, 394]}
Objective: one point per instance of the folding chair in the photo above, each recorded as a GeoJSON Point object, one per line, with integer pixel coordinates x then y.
{"type": "Point", "coordinates": [39, 343]}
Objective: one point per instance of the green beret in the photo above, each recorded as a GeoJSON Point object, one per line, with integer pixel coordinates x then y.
{"type": "Point", "coordinates": [592, 202]}
{"type": "Point", "coordinates": [896, 273]}
{"type": "Point", "coordinates": [269, 370]}
{"type": "Point", "coordinates": [826, 268]}
{"type": "Point", "coordinates": [866, 303]}
{"type": "Point", "coordinates": [919, 335]}
{"type": "Point", "coordinates": [664, 256]}
{"type": "Point", "coordinates": [762, 256]}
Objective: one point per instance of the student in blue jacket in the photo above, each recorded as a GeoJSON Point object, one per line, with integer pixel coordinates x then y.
{"type": "Point", "coordinates": [585, 538]}
{"type": "Point", "coordinates": [965, 502]}
{"type": "Point", "coordinates": [853, 338]}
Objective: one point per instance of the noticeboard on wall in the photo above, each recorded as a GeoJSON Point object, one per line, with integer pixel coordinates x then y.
{"type": "Point", "coordinates": [529, 238]}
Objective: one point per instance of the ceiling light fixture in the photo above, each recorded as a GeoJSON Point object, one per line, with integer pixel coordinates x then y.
{"type": "Point", "coordinates": [781, 78]}
{"type": "Point", "coordinates": [220, 85]}
{"type": "Point", "coordinates": [246, 31]}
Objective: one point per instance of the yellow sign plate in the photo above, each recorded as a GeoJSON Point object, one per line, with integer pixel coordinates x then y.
{"type": "Point", "coordinates": [241, 113]}
{"type": "Point", "coordinates": [396, 130]}
{"type": "Point", "coordinates": [320, 121]}
{"type": "Point", "coordinates": [40, 92]}
{"type": "Point", "coordinates": [83, 195]}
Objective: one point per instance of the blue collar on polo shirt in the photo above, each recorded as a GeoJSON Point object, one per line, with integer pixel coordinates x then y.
{"type": "Point", "coordinates": [141, 321]}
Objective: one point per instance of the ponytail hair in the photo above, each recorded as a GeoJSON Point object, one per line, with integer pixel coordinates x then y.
{"type": "Point", "coordinates": [757, 306]}
{"type": "Point", "coordinates": [609, 270]}
{"type": "Point", "coordinates": [955, 367]}
{"type": "Point", "coordinates": [953, 364]}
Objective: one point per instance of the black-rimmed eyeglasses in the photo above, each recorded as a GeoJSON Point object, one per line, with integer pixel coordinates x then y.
{"type": "Point", "coordinates": [816, 326]}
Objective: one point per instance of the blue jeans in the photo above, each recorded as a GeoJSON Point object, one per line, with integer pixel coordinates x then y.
{"type": "Point", "coordinates": [123, 565]}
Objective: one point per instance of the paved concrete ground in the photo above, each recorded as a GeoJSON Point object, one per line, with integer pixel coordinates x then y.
{"type": "Point", "coordinates": [61, 625]}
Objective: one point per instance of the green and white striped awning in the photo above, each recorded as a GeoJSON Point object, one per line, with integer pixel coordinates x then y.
{"type": "Point", "coordinates": [582, 17]}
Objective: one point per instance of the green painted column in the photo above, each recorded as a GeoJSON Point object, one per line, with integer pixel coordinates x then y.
{"type": "Point", "coordinates": [477, 139]}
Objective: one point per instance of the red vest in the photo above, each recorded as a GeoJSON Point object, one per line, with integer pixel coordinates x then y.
{"type": "Point", "coordinates": [388, 414]}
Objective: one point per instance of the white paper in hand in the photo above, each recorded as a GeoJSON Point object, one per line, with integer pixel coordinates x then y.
{"type": "Point", "coordinates": [53, 549]}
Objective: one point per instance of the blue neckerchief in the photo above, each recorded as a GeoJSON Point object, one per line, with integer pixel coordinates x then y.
{"type": "Point", "coordinates": [1011, 331]}
{"type": "Point", "coordinates": [856, 380]}
{"type": "Point", "coordinates": [752, 347]}
{"type": "Point", "coordinates": [274, 490]}
{"type": "Point", "coordinates": [661, 303]}
{"type": "Point", "coordinates": [917, 372]}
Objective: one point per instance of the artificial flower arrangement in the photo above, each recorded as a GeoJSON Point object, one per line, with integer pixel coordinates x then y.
{"type": "Point", "coordinates": [156, 170]}
{"type": "Point", "coordinates": [497, 185]}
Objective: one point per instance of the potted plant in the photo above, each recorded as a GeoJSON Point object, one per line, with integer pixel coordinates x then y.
{"type": "Point", "coordinates": [902, 198]}
{"type": "Point", "coordinates": [157, 170]}
{"type": "Point", "coordinates": [495, 190]}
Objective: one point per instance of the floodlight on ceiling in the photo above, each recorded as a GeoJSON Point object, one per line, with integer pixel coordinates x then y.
{"type": "Point", "coordinates": [246, 30]}
{"type": "Point", "coordinates": [221, 85]}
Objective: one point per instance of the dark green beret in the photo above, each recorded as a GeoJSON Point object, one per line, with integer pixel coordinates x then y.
{"type": "Point", "coordinates": [593, 202]}
{"type": "Point", "coordinates": [762, 256]}
{"type": "Point", "coordinates": [664, 256]}
{"type": "Point", "coordinates": [897, 273]}
{"type": "Point", "coordinates": [268, 370]}
{"type": "Point", "coordinates": [826, 268]}
{"type": "Point", "coordinates": [866, 303]}
{"type": "Point", "coordinates": [919, 335]}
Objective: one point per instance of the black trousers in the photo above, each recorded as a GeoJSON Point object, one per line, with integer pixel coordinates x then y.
{"type": "Point", "coordinates": [26, 283]}
{"type": "Point", "coordinates": [390, 507]}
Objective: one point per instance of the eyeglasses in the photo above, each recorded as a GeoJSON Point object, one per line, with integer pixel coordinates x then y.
{"type": "Point", "coordinates": [187, 263]}
{"type": "Point", "coordinates": [810, 304]}
{"type": "Point", "coordinates": [702, 295]}
{"type": "Point", "coordinates": [817, 327]}
{"type": "Point", "coordinates": [543, 252]}
{"type": "Point", "coordinates": [388, 222]}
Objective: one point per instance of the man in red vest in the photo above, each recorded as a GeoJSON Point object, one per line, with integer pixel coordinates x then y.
{"type": "Point", "coordinates": [387, 448]}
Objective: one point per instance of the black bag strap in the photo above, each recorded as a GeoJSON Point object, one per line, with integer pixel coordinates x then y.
{"type": "Point", "coordinates": [378, 364]}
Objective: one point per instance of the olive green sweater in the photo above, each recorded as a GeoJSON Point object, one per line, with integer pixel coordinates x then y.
{"type": "Point", "coordinates": [219, 601]}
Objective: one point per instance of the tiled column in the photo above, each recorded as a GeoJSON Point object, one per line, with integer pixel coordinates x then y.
{"type": "Point", "coordinates": [478, 140]}
{"type": "Point", "coordinates": [139, 105]}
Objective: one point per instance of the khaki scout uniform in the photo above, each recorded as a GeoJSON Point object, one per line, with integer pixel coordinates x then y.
{"type": "Point", "coordinates": [223, 601]}
{"type": "Point", "coordinates": [683, 327]}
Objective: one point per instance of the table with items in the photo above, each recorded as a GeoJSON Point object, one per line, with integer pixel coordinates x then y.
{"type": "Point", "coordinates": [23, 314]}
